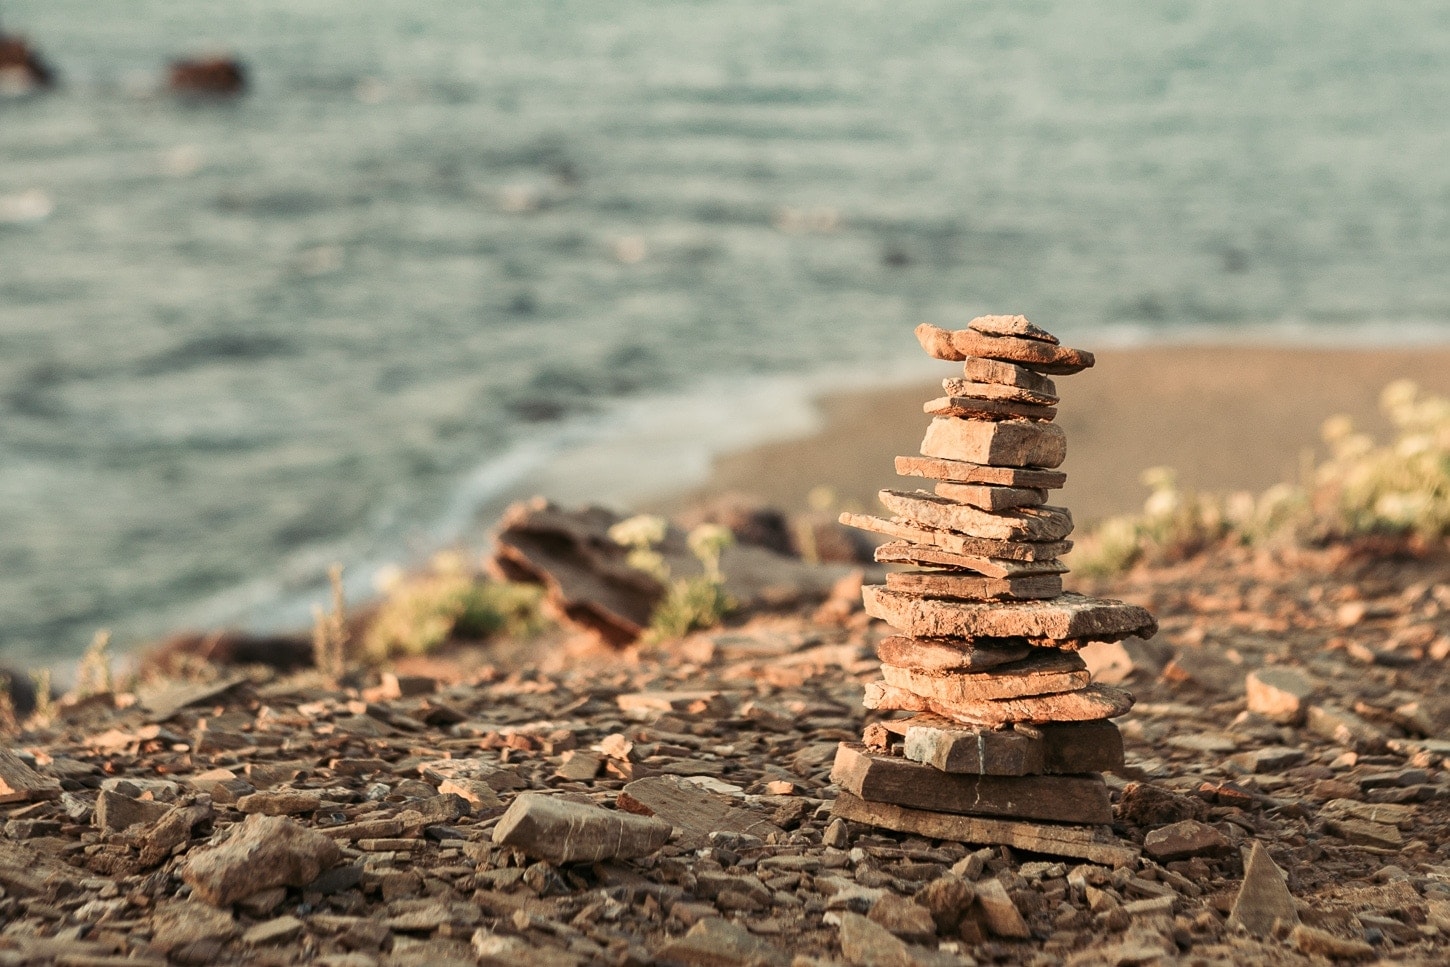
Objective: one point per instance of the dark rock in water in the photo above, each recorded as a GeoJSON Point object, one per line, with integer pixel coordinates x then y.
{"type": "Point", "coordinates": [210, 76]}
{"type": "Point", "coordinates": [21, 68]}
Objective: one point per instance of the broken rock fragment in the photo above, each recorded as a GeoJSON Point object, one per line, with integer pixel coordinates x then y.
{"type": "Point", "coordinates": [1278, 693]}
{"type": "Point", "coordinates": [564, 831]}
{"type": "Point", "coordinates": [262, 852]}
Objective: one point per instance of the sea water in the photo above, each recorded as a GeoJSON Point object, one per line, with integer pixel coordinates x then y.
{"type": "Point", "coordinates": [439, 247]}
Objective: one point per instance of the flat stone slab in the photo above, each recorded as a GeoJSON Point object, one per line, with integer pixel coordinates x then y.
{"type": "Point", "coordinates": [1047, 672]}
{"type": "Point", "coordinates": [1007, 374]}
{"type": "Point", "coordinates": [1044, 357]}
{"type": "Point", "coordinates": [563, 831]}
{"type": "Point", "coordinates": [991, 498]}
{"type": "Point", "coordinates": [1264, 900]}
{"type": "Point", "coordinates": [263, 852]}
{"type": "Point", "coordinates": [974, 408]}
{"type": "Point", "coordinates": [20, 783]}
{"type": "Point", "coordinates": [1086, 705]}
{"type": "Point", "coordinates": [1011, 326]}
{"type": "Point", "coordinates": [1021, 524]}
{"type": "Point", "coordinates": [956, 543]}
{"type": "Point", "coordinates": [948, 654]}
{"type": "Point", "coordinates": [1077, 842]}
{"type": "Point", "coordinates": [964, 471]}
{"type": "Point", "coordinates": [1069, 616]}
{"type": "Point", "coordinates": [1075, 747]}
{"type": "Point", "coordinates": [1002, 444]}
{"type": "Point", "coordinates": [900, 552]}
{"type": "Point", "coordinates": [958, 386]}
{"type": "Point", "coordinates": [880, 778]}
{"type": "Point", "coordinates": [691, 808]}
{"type": "Point", "coordinates": [971, 587]}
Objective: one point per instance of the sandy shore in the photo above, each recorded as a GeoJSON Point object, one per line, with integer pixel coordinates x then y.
{"type": "Point", "coordinates": [1226, 418]}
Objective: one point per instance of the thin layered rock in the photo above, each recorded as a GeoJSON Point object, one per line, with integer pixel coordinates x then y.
{"type": "Point", "coordinates": [1007, 722]}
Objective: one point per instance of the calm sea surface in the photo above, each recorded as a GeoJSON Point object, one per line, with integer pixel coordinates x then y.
{"type": "Point", "coordinates": [439, 244]}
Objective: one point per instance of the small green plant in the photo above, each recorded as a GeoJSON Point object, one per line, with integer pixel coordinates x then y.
{"type": "Point", "coordinates": [419, 613]}
{"type": "Point", "coordinates": [1401, 488]}
{"type": "Point", "coordinates": [690, 603]}
{"type": "Point", "coordinates": [44, 700]}
{"type": "Point", "coordinates": [329, 629]}
{"type": "Point", "coordinates": [9, 723]}
{"type": "Point", "coordinates": [640, 534]}
{"type": "Point", "coordinates": [93, 672]}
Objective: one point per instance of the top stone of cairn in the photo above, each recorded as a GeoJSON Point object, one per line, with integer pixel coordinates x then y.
{"type": "Point", "coordinates": [1010, 339]}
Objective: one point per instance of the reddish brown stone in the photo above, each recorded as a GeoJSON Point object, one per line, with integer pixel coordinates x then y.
{"type": "Point", "coordinates": [904, 553]}
{"type": "Point", "coordinates": [1075, 841]}
{"type": "Point", "coordinates": [1038, 524]}
{"type": "Point", "coordinates": [956, 543]}
{"type": "Point", "coordinates": [1011, 326]}
{"type": "Point", "coordinates": [1086, 705]}
{"type": "Point", "coordinates": [974, 408]}
{"type": "Point", "coordinates": [1043, 673]}
{"type": "Point", "coordinates": [1007, 374]}
{"type": "Point", "coordinates": [962, 471]}
{"type": "Point", "coordinates": [1034, 354]}
{"type": "Point", "coordinates": [1006, 444]}
{"type": "Point", "coordinates": [988, 497]}
{"type": "Point", "coordinates": [957, 386]}
{"type": "Point", "coordinates": [971, 587]}
{"type": "Point", "coordinates": [948, 654]}
{"type": "Point", "coordinates": [1069, 616]}
{"type": "Point", "coordinates": [879, 778]}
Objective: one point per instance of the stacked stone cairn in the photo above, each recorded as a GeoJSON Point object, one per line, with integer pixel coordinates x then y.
{"type": "Point", "coordinates": [1008, 726]}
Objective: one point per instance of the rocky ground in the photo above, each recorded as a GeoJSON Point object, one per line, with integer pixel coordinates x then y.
{"type": "Point", "coordinates": [1290, 710]}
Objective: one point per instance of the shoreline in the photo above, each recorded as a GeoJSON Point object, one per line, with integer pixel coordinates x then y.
{"type": "Point", "coordinates": [1225, 417]}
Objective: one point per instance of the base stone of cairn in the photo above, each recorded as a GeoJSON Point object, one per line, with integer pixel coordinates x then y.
{"type": "Point", "coordinates": [1009, 733]}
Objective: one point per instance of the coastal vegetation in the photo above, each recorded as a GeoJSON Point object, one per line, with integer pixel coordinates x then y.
{"type": "Point", "coordinates": [689, 603]}
{"type": "Point", "coordinates": [1399, 490]}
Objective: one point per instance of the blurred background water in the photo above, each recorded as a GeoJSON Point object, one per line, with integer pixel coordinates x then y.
{"type": "Point", "coordinates": [438, 244]}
